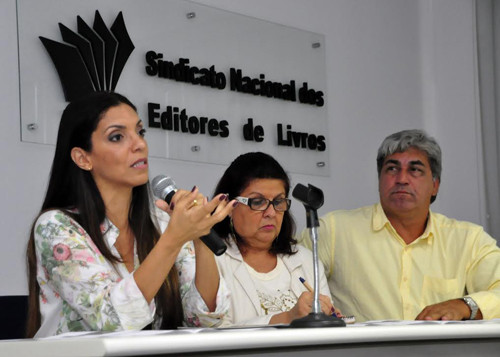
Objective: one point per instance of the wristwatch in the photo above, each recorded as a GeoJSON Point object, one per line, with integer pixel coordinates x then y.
{"type": "Point", "coordinates": [472, 306]}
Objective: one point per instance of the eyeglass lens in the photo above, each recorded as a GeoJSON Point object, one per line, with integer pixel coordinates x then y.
{"type": "Point", "coordinates": [261, 204]}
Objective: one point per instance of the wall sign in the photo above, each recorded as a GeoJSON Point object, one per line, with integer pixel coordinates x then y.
{"type": "Point", "coordinates": [209, 84]}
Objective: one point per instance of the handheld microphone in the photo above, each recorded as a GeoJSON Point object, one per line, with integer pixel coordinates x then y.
{"type": "Point", "coordinates": [164, 187]}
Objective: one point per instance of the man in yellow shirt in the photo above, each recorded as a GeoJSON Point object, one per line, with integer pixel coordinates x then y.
{"type": "Point", "coordinates": [399, 260]}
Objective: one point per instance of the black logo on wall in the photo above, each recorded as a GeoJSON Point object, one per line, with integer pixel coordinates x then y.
{"type": "Point", "coordinates": [92, 59]}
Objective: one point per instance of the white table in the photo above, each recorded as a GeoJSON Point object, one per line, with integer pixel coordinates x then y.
{"type": "Point", "coordinates": [380, 339]}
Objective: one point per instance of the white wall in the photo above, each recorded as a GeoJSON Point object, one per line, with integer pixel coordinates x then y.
{"type": "Point", "coordinates": [391, 65]}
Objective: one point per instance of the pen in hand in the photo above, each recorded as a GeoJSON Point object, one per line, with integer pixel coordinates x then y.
{"type": "Point", "coordinates": [347, 319]}
{"type": "Point", "coordinates": [306, 284]}
{"type": "Point", "coordinates": [311, 290]}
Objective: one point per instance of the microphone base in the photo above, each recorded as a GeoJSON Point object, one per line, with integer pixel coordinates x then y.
{"type": "Point", "coordinates": [317, 320]}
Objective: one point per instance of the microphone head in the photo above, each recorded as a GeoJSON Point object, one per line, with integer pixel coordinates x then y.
{"type": "Point", "coordinates": [163, 187]}
{"type": "Point", "coordinates": [310, 196]}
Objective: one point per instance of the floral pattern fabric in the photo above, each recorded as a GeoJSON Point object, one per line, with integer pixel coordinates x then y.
{"type": "Point", "coordinates": [80, 290]}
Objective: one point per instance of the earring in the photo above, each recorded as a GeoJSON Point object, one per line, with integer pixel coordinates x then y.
{"type": "Point", "coordinates": [233, 232]}
{"type": "Point", "coordinates": [231, 226]}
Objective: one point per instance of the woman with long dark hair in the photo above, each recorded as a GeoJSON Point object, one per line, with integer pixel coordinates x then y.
{"type": "Point", "coordinates": [101, 255]}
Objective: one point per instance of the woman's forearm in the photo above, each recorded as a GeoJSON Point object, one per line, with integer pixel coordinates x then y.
{"type": "Point", "coordinates": [207, 277]}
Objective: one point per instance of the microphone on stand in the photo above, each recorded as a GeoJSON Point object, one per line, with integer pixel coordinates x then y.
{"type": "Point", "coordinates": [165, 188]}
{"type": "Point", "coordinates": [312, 199]}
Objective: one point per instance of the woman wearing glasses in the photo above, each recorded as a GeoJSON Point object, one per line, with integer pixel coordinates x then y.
{"type": "Point", "coordinates": [263, 265]}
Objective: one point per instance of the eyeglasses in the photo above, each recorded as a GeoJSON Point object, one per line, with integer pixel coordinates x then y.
{"type": "Point", "coordinates": [261, 204]}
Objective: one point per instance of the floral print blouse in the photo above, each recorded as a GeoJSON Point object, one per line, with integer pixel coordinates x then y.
{"type": "Point", "coordinates": [81, 291]}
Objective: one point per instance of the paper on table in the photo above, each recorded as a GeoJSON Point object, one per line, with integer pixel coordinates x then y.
{"type": "Point", "coordinates": [422, 322]}
{"type": "Point", "coordinates": [100, 334]}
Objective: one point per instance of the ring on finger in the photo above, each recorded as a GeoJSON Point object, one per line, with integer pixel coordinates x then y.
{"type": "Point", "coordinates": [194, 203]}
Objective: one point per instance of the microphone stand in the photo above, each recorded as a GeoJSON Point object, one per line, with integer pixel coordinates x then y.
{"type": "Point", "coordinates": [312, 198]}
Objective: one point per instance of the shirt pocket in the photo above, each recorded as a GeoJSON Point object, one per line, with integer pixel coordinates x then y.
{"type": "Point", "coordinates": [436, 290]}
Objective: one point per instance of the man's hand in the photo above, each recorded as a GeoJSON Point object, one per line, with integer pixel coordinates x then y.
{"type": "Point", "coordinates": [455, 309]}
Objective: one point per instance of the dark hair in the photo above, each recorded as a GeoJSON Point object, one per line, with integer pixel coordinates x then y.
{"type": "Point", "coordinates": [418, 139]}
{"type": "Point", "coordinates": [73, 188]}
{"type": "Point", "coordinates": [237, 177]}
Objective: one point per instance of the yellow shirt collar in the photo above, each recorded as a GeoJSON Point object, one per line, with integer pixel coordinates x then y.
{"type": "Point", "coordinates": [380, 221]}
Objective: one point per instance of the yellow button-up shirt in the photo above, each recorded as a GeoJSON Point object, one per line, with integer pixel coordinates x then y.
{"type": "Point", "coordinates": [374, 275]}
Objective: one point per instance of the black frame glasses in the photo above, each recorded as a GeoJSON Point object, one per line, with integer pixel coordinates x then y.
{"type": "Point", "coordinates": [262, 204]}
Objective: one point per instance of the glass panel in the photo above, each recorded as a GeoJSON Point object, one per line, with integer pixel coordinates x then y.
{"type": "Point", "coordinates": [217, 41]}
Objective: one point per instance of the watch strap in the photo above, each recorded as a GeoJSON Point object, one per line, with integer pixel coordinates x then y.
{"type": "Point", "coordinates": [472, 306]}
